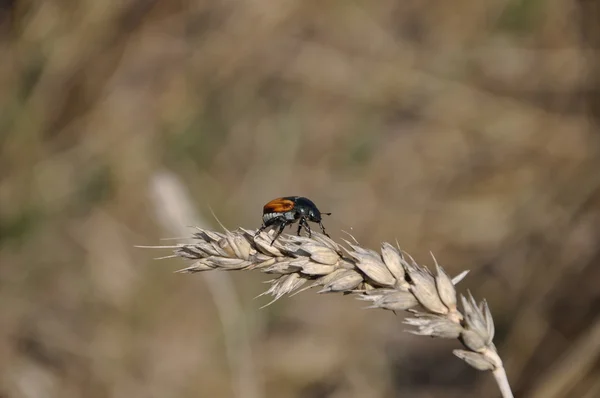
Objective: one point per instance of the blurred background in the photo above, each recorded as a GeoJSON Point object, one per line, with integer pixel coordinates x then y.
{"type": "Point", "coordinates": [465, 128]}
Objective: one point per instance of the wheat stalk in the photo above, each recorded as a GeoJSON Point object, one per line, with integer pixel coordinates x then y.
{"type": "Point", "coordinates": [389, 280]}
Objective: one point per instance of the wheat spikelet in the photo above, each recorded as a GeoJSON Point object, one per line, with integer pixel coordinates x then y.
{"type": "Point", "coordinates": [389, 280]}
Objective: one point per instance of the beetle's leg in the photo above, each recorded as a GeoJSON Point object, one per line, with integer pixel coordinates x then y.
{"type": "Point", "coordinates": [258, 231]}
{"type": "Point", "coordinates": [307, 228]}
{"type": "Point", "coordinates": [303, 224]}
{"type": "Point", "coordinates": [279, 231]}
{"type": "Point", "coordinates": [323, 229]}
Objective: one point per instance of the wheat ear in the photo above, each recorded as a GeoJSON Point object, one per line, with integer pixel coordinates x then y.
{"type": "Point", "coordinates": [389, 280]}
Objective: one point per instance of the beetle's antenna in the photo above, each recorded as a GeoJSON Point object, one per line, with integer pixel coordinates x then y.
{"type": "Point", "coordinates": [327, 214]}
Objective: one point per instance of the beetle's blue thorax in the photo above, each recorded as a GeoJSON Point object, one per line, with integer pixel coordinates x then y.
{"type": "Point", "coordinates": [305, 207]}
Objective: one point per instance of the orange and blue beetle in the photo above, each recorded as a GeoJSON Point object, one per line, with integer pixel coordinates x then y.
{"type": "Point", "coordinates": [287, 210]}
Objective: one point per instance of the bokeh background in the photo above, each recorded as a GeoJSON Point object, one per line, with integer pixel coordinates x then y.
{"type": "Point", "coordinates": [466, 128]}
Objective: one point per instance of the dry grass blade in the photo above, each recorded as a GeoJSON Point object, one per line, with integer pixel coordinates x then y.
{"type": "Point", "coordinates": [385, 279]}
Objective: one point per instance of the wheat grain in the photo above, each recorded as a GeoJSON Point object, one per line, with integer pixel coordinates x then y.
{"type": "Point", "coordinates": [389, 280]}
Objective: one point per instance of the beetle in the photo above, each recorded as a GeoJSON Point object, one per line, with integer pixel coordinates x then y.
{"type": "Point", "coordinates": [288, 210]}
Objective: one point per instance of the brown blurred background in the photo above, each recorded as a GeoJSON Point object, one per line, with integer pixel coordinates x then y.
{"type": "Point", "coordinates": [466, 128]}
